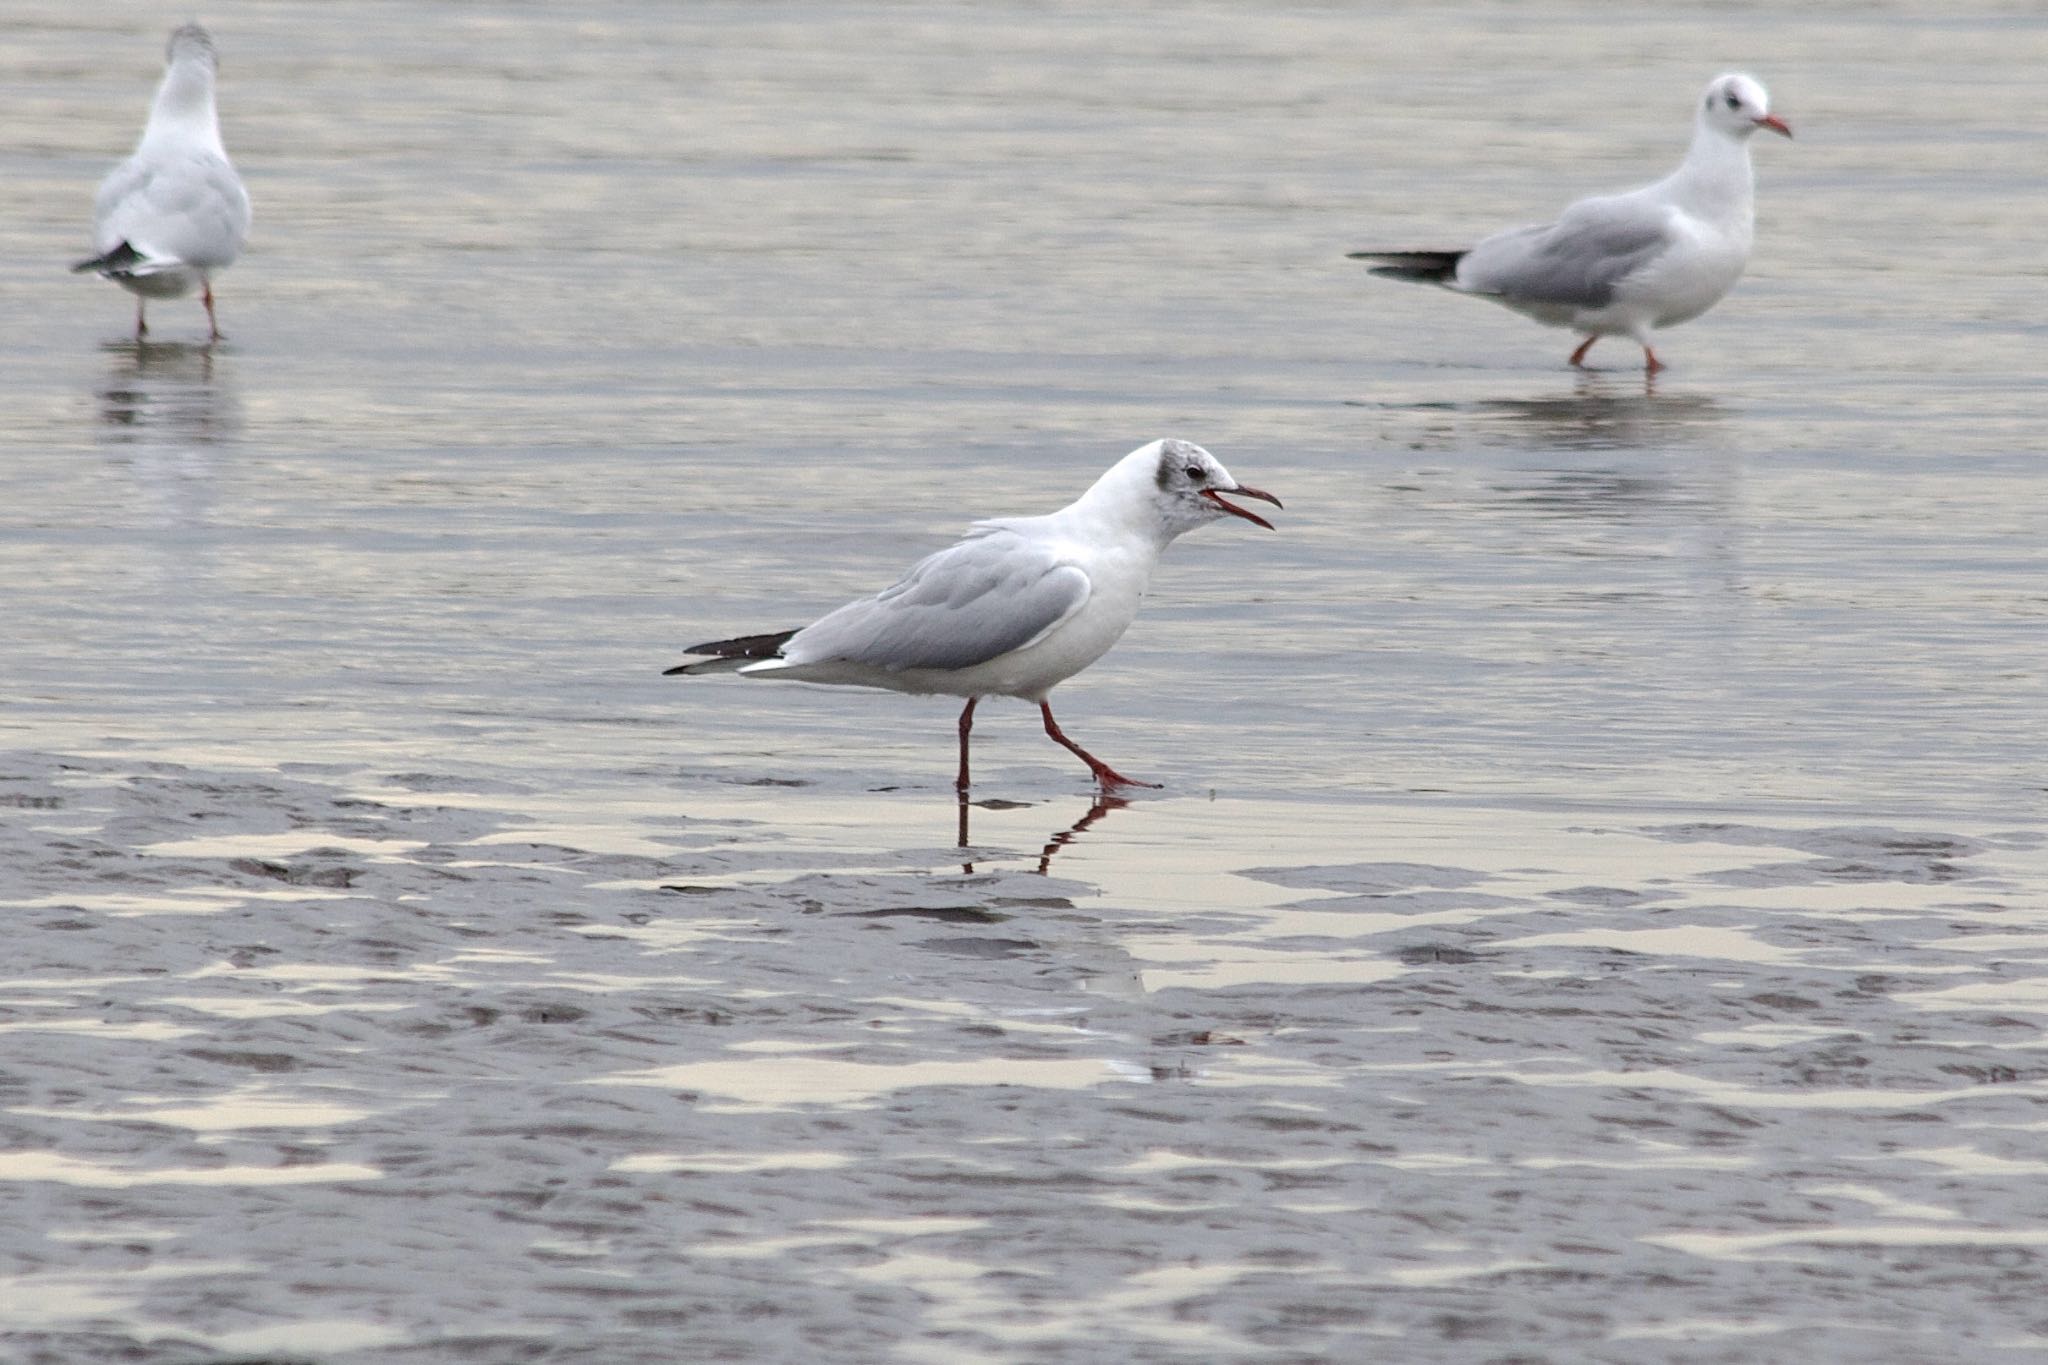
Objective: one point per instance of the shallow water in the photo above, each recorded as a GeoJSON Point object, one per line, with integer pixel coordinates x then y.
{"type": "Point", "coordinates": [1598, 904]}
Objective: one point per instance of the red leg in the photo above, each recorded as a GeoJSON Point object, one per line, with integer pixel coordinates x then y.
{"type": "Point", "coordinates": [141, 327]}
{"type": "Point", "coordinates": [1106, 775]}
{"type": "Point", "coordinates": [960, 783]}
{"type": "Point", "coordinates": [1650, 362]}
{"type": "Point", "coordinates": [1579, 356]}
{"type": "Point", "coordinates": [212, 326]}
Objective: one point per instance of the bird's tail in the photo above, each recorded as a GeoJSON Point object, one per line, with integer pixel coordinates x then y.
{"type": "Point", "coordinates": [123, 260]}
{"type": "Point", "coordinates": [1419, 267]}
{"type": "Point", "coordinates": [728, 656]}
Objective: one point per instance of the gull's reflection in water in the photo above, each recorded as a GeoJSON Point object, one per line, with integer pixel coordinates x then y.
{"type": "Point", "coordinates": [1600, 413]}
{"type": "Point", "coordinates": [1594, 418]}
{"type": "Point", "coordinates": [1597, 494]}
{"type": "Point", "coordinates": [1096, 812]}
{"type": "Point", "coordinates": [168, 411]}
{"type": "Point", "coordinates": [1607, 451]}
{"type": "Point", "coordinates": [166, 393]}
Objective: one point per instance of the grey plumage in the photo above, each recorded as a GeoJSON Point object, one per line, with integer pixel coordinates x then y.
{"type": "Point", "coordinates": [183, 207]}
{"type": "Point", "coordinates": [1624, 264]}
{"type": "Point", "coordinates": [1017, 607]}
{"type": "Point", "coordinates": [1575, 262]}
{"type": "Point", "coordinates": [174, 214]}
{"type": "Point", "coordinates": [927, 619]}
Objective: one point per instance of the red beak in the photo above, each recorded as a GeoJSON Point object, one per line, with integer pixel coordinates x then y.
{"type": "Point", "coordinates": [1216, 496]}
{"type": "Point", "coordinates": [1775, 124]}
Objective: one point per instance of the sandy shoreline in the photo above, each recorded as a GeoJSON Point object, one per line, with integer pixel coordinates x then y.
{"type": "Point", "coordinates": [465, 1095]}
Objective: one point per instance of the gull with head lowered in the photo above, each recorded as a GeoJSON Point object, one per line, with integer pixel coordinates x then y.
{"type": "Point", "coordinates": [1017, 607]}
{"type": "Point", "coordinates": [1625, 264]}
{"type": "Point", "coordinates": [175, 213]}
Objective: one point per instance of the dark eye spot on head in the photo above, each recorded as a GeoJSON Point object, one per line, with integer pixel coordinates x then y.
{"type": "Point", "coordinates": [1194, 472]}
{"type": "Point", "coordinates": [1734, 100]}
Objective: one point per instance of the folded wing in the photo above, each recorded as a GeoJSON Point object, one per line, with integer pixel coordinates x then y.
{"type": "Point", "coordinates": [976, 601]}
{"type": "Point", "coordinates": [1576, 262]}
{"type": "Point", "coordinates": [186, 209]}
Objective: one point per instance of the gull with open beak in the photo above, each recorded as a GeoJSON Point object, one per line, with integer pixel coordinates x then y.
{"type": "Point", "coordinates": [1017, 607]}
{"type": "Point", "coordinates": [1625, 264]}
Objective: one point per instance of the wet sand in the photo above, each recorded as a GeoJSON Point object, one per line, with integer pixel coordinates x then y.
{"type": "Point", "coordinates": [375, 1067]}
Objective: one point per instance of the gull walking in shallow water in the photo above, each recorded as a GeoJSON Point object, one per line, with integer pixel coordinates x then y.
{"type": "Point", "coordinates": [1018, 607]}
{"type": "Point", "coordinates": [175, 212]}
{"type": "Point", "coordinates": [1625, 264]}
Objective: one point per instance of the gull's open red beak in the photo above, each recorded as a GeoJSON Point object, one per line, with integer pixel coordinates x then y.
{"type": "Point", "coordinates": [1775, 124]}
{"type": "Point", "coordinates": [1216, 496]}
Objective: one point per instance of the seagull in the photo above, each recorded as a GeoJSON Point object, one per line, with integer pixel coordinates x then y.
{"type": "Point", "coordinates": [1625, 264]}
{"type": "Point", "coordinates": [175, 212]}
{"type": "Point", "coordinates": [1018, 606]}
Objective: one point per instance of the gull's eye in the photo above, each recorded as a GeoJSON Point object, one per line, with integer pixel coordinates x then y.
{"type": "Point", "coordinates": [1734, 100]}
{"type": "Point", "coordinates": [1194, 473]}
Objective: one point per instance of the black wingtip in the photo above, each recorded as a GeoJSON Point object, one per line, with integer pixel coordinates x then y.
{"type": "Point", "coordinates": [1418, 267]}
{"type": "Point", "coordinates": [120, 258]}
{"type": "Point", "coordinates": [768, 646]}
{"type": "Point", "coordinates": [765, 646]}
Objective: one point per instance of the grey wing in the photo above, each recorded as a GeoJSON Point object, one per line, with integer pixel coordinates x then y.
{"type": "Point", "coordinates": [963, 606]}
{"type": "Point", "coordinates": [189, 210]}
{"type": "Point", "coordinates": [1575, 262]}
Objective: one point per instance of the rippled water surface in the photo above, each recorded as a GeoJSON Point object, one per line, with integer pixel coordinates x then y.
{"type": "Point", "coordinates": [1597, 906]}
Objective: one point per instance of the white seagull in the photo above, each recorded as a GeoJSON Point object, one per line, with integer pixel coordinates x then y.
{"type": "Point", "coordinates": [1626, 264]}
{"type": "Point", "coordinates": [175, 212]}
{"type": "Point", "coordinates": [1018, 607]}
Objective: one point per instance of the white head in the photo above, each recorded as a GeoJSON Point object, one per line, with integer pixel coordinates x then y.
{"type": "Point", "coordinates": [1738, 105]}
{"type": "Point", "coordinates": [191, 43]}
{"type": "Point", "coordinates": [1175, 486]}
{"type": "Point", "coordinates": [184, 100]}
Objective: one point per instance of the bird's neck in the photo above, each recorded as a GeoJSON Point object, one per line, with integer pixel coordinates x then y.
{"type": "Point", "coordinates": [1109, 506]}
{"type": "Point", "coordinates": [1715, 179]}
{"type": "Point", "coordinates": [1102, 523]}
{"type": "Point", "coordinates": [184, 109]}
{"type": "Point", "coordinates": [1115, 511]}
